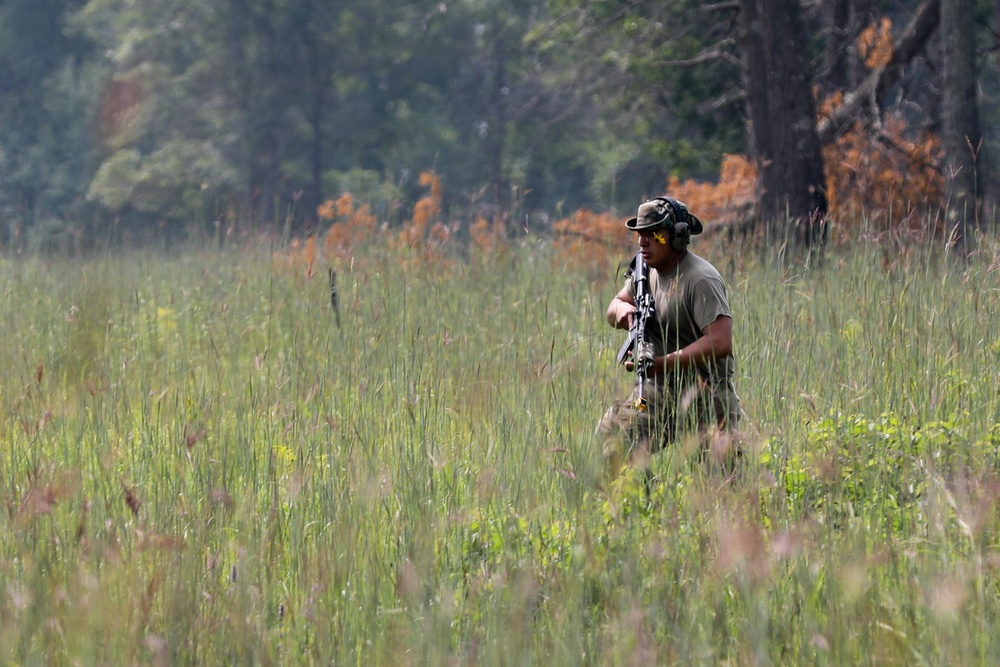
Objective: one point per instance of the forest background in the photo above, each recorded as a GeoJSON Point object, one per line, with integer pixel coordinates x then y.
{"type": "Point", "coordinates": [127, 120]}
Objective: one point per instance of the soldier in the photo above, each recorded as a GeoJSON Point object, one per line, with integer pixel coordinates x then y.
{"type": "Point", "coordinates": [689, 387]}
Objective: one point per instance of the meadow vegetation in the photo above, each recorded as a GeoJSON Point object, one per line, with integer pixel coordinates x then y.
{"type": "Point", "coordinates": [198, 466]}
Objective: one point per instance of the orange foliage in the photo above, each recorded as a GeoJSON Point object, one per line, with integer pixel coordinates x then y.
{"type": "Point", "coordinates": [592, 239]}
{"type": "Point", "coordinates": [309, 256]}
{"type": "Point", "coordinates": [726, 202]}
{"type": "Point", "coordinates": [886, 179]}
{"type": "Point", "coordinates": [300, 254]}
{"type": "Point", "coordinates": [487, 237]}
{"type": "Point", "coordinates": [352, 226]}
{"type": "Point", "coordinates": [325, 210]}
{"type": "Point", "coordinates": [875, 44]}
{"type": "Point", "coordinates": [431, 180]}
{"type": "Point", "coordinates": [425, 210]}
{"type": "Point", "coordinates": [343, 207]}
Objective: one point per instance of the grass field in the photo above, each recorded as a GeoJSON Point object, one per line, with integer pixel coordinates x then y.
{"type": "Point", "coordinates": [199, 467]}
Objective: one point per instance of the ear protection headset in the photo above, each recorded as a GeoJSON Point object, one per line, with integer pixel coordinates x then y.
{"type": "Point", "coordinates": [680, 228]}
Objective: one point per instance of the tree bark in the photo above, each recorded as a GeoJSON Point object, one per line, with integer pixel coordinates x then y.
{"type": "Point", "coordinates": [783, 118]}
{"type": "Point", "coordinates": [962, 135]}
{"type": "Point", "coordinates": [836, 56]}
{"type": "Point", "coordinates": [317, 116]}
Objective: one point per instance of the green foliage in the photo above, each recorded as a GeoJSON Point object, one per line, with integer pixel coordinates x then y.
{"type": "Point", "coordinates": [661, 69]}
{"type": "Point", "coordinates": [540, 109]}
{"type": "Point", "coordinates": [46, 93]}
{"type": "Point", "coordinates": [367, 186]}
{"type": "Point", "coordinates": [173, 181]}
{"type": "Point", "coordinates": [860, 468]}
{"type": "Point", "coordinates": [115, 180]}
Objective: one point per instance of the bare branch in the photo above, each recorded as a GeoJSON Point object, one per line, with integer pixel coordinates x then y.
{"type": "Point", "coordinates": [715, 53]}
{"type": "Point", "coordinates": [864, 99]}
{"type": "Point", "coordinates": [737, 94]}
{"type": "Point", "coordinates": [721, 7]}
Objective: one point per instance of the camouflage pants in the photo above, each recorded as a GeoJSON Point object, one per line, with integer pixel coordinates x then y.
{"type": "Point", "coordinates": [627, 431]}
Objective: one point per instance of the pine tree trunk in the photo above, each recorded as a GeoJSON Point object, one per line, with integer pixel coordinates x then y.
{"type": "Point", "coordinates": [962, 133]}
{"type": "Point", "coordinates": [783, 119]}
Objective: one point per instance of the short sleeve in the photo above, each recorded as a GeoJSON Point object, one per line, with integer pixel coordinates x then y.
{"type": "Point", "coordinates": [630, 285]}
{"type": "Point", "coordinates": [709, 302]}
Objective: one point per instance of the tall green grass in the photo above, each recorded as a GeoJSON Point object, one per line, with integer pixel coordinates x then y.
{"type": "Point", "coordinates": [199, 467]}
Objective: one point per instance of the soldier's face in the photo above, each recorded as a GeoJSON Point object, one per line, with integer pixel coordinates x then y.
{"type": "Point", "coordinates": [655, 247]}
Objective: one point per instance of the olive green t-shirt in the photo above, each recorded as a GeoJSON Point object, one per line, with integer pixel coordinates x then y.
{"type": "Point", "coordinates": [688, 299]}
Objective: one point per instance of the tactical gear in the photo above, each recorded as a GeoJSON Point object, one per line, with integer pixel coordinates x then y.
{"type": "Point", "coordinates": [670, 214]}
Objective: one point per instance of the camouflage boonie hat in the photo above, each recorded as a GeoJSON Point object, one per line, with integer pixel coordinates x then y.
{"type": "Point", "coordinates": [662, 212]}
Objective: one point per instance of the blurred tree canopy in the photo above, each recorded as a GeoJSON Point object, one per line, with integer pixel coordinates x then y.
{"type": "Point", "coordinates": [193, 116]}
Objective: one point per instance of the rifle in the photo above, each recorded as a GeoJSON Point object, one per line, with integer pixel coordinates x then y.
{"type": "Point", "coordinates": [639, 343]}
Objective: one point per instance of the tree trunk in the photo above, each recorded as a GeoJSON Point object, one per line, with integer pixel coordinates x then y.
{"type": "Point", "coordinates": [314, 196]}
{"type": "Point", "coordinates": [837, 53]}
{"type": "Point", "coordinates": [962, 134]}
{"type": "Point", "coordinates": [497, 130]}
{"type": "Point", "coordinates": [783, 118]}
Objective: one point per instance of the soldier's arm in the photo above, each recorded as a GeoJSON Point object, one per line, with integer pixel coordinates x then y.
{"type": "Point", "coordinates": [620, 310]}
{"type": "Point", "coordinates": [716, 342]}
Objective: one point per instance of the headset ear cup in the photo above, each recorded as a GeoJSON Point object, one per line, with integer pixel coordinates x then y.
{"type": "Point", "coordinates": [680, 236]}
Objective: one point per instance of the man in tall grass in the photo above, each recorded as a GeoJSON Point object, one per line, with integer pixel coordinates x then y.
{"type": "Point", "coordinates": [690, 386]}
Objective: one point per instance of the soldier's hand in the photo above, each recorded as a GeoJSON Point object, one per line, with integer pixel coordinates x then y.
{"type": "Point", "coordinates": [624, 316]}
{"type": "Point", "coordinates": [629, 364]}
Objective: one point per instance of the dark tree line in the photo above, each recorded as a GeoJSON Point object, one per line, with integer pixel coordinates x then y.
{"type": "Point", "coordinates": [194, 114]}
